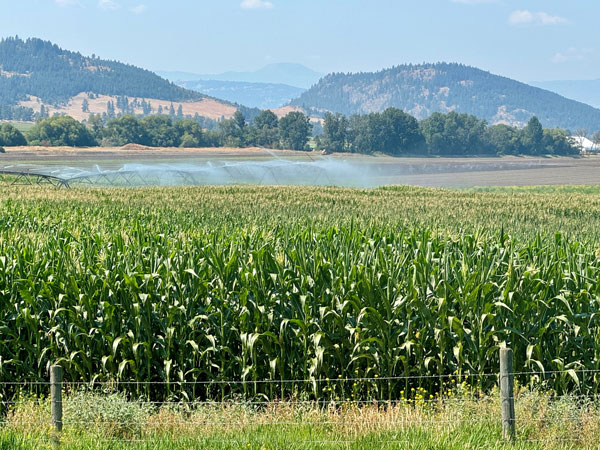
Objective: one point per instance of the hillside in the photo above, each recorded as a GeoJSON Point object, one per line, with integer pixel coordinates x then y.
{"type": "Point", "coordinates": [256, 95]}
{"type": "Point", "coordinates": [423, 89]}
{"type": "Point", "coordinates": [36, 73]}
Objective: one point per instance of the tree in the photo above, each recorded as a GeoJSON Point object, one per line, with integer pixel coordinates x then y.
{"type": "Point", "coordinates": [125, 130]}
{"type": "Point", "coordinates": [335, 133]}
{"type": "Point", "coordinates": [160, 131]}
{"type": "Point", "coordinates": [532, 137]}
{"type": "Point", "coordinates": [454, 134]}
{"type": "Point", "coordinates": [596, 140]}
{"type": "Point", "coordinates": [96, 125]}
{"type": "Point", "coordinates": [85, 106]}
{"type": "Point", "coordinates": [503, 140]}
{"type": "Point", "coordinates": [10, 136]}
{"type": "Point", "coordinates": [265, 130]}
{"type": "Point", "coordinates": [294, 130]}
{"type": "Point", "coordinates": [61, 130]}
{"type": "Point", "coordinates": [401, 133]}
{"type": "Point", "coordinates": [190, 133]}
{"type": "Point", "coordinates": [110, 109]}
{"type": "Point", "coordinates": [234, 130]}
{"type": "Point", "coordinates": [558, 142]}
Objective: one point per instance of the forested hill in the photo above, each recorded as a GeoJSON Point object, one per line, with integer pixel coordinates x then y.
{"type": "Point", "coordinates": [424, 89]}
{"type": "Point", "coordinates": [44, 70]}
{"type": "Point", "coordinates": [38, 78]}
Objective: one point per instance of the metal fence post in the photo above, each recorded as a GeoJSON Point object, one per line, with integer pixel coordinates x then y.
{"type": "Point", "coordinates": [507, 393]}
{"type": "Point", "coordinates": [56, 379]}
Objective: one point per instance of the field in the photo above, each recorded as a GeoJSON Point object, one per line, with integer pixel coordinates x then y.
{"type": "Point", "coordinates": [22, 126]}
{"type": "Point", "coordinates": [371, 295]}
{"type": "Point", "coordinates": [362, 171]}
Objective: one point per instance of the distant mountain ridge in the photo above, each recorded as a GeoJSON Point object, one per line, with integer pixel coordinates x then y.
{"type": "Point", "coordinates": [254, 95]}
{"type": "Point", "coordinates": [427, 88]}
{"type": "Point", "coordinates": [291, 74]}
{"type": "Point", "coordinates": [37, 75]}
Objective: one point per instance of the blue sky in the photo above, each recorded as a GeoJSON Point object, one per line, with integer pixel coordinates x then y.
{"type": "Point", "coordinates": [526, 39]}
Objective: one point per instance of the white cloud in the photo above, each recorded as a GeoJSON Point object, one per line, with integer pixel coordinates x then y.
{"type": "Point", "coordinates": [109, 5]}
{"type": "Point", "coordinates": [256, 4]}
{"type": "Point", "coordinates": [139, 9]}
{"type": "Point", "coordinates": [572, 54]}
{"type": "Point", "coordinates": [525, 17]}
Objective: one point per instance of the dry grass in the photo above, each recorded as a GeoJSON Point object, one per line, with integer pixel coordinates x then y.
{"type": "Point", "coordinates": [211, 108]}
{"type": "Point", "coordinates": [552, 423]}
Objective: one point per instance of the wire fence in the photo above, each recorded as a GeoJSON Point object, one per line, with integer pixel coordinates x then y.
{"type": "Point", "coordinates": [109, 411]}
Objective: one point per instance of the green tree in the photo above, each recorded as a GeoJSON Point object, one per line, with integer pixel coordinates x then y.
{"type": "Point", "coordinates": [335, 133]}
{"type": "Point", "coordinates": [401, 133]}
{"type": "Point", "coordinates": [125, 130]}
{"type": "Point", "coordinates": [190, 132]}
{"type": "Point", "coordinates": [10, 136]}
{"type": "Point", "coordinates": [61, 130]}
{"type": "Point", "coordinates": [532, 137]}
{"type": "Point", "coordinates": [454, 134]}
{"type": "Point", "coordinates": [503, 140]}
{"type": "Point", "coordinates": [265, 130]}
{"type": "Point", "coordinates": [85, 106]}
{"type": "Point", "coordinates": [233, 130]}
{"type": "Point", "coordinates": [294, 131]}
{"type": "Point", "coordinates": [160, 131]}
{"type": "Point", "coordinates": [558, 142]}
{"type": "Point", "coordinates": [96, 126]}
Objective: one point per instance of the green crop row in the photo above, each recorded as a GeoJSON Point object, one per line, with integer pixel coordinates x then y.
{"type": "Point", "coordinates": [254, 284]}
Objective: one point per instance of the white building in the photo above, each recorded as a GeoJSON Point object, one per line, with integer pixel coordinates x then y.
{"type": "Point", "coordinates": [586, 145]}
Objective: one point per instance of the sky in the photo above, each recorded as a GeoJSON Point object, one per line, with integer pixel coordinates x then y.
{"type": "Point", "coordinates": [529, 40]}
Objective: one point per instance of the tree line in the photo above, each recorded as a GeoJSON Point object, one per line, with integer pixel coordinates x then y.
{"type": "Point", "coordinates": [292, 131]}
{"type": "Point", "coordinates": [397, 133]}
{"type": "Point", "coordinates": [392, 132]}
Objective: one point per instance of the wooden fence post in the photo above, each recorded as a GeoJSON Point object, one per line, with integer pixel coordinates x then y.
{"type": "Point", "coordinates": [56, 379]}
{"type": "Point", "coordinates": [507, 393]}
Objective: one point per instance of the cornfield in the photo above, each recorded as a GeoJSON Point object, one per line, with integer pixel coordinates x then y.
{"type": "Point", "coordinates": [252, 284]}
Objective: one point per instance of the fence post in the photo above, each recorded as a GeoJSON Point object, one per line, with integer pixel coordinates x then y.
{"type": "Point", "coordinates": [507, 393]}
{"type": "Point", "coordinates": [56, 379]}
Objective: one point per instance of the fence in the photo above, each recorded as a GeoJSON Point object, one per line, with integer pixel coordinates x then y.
{"type": "Point", "coordinates": [394, 418]}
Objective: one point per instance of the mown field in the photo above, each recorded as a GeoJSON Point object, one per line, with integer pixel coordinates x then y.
{"type": "Point", "coordinates": [326, 284]}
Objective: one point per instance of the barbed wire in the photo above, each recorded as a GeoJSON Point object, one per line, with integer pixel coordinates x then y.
{"type": "Point", "coordinates": [299, 381]}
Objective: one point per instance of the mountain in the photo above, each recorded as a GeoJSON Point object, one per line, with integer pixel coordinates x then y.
{"type": "Point", "coordinates": [38, 76]}
{"type": "Point", "coordinates": [584, 91]}
{"type": "Point", "coordinates": [282, 73]}
{"type": "Point", "coordinates": [423, 89]}
{"type": "Point", "coordinates": [256, 95]}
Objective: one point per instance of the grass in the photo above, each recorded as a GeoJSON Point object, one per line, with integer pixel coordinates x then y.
{"type": "Point", "coordinates": [94, 421]}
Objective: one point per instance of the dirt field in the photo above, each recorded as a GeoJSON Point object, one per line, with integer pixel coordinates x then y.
{"type": "Point", "coordinates": [372, 171]}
